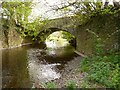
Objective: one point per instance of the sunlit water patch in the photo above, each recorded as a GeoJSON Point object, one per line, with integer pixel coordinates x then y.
{"type": "Point", "coordinates": [39, 70]}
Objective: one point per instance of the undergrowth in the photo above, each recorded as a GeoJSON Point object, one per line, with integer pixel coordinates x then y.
{"type": "Point", "coordinates": [102, 68]}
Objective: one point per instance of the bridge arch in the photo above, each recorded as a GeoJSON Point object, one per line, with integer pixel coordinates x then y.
{"type": "Point", "coordinates": [51, 30]}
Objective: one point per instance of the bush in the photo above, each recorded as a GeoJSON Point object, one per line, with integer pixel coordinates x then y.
{"type": "Point", "coordinates": [102, 70]}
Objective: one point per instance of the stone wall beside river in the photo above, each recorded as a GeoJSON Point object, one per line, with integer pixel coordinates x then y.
{"type": "Point", "coordinates": [12, 39]}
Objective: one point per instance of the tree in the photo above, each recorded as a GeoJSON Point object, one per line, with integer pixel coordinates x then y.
{"type": "Point", "coordinates": [13, 20]}
{"type": "Point", "coordinates": [17, 13]}
{"type": "Point", "coordinates": [84, 6]}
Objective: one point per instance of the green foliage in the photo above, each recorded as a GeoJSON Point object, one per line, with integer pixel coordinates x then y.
{"type": "Point", "coordinates": [84, 84]}
{"type": "Point", "coordinates": [33, 29]}
{"type": "Point", "coordinates": [102, 67]}
{"type": "Point", "coordinates": [67, 36]}
{"type": "Point", "coordinates": [90, 10]}
{"type": "Point", "coordinates": [101, 71]}
{"type": "Point", "coordinates": [71, 85]}
{"type": "Point", "coordinates": [50, 85]}
{"type": "Point", "coordinates": [17, 11]}
{"type": "Point", "coordinates": [115, 77]}
{"type": "Point", "coordinates": [109, 10]}
{"type": "Point", "coordinates": [17, 17]}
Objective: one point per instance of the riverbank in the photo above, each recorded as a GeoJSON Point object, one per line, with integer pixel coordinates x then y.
{"type": "Point", "coordinates": [72, 75]}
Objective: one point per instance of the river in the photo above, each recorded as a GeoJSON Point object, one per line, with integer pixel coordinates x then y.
{"type": "Point", "coordinates": [24, 66]}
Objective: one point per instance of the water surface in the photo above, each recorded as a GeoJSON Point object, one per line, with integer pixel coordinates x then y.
{"type": "Point", "coordinates": [26, 65]}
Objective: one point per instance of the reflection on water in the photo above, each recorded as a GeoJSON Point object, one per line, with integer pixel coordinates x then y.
{"type": "Point", "coordinates": [23, 66]}
{"type": "Point", "coordinates": [14, 68]}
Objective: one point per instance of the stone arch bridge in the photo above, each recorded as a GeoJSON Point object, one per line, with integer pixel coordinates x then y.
{"type": "Point", "coordinates": [67, 24]}
{"type": "Point", "coordinates": [45, 33]}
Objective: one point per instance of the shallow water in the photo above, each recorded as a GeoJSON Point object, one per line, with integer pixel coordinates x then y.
{"type": "Point", "coordinates": [26, 65]}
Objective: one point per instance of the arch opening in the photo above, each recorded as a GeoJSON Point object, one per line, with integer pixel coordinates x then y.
{"type": "Point", "coordinates": [60, 39]}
